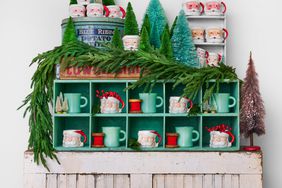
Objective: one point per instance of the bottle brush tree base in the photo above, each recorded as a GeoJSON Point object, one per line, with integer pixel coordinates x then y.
{"type": "Point", "coordinates": [252, 148]}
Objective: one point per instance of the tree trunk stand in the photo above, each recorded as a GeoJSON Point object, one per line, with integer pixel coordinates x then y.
{"type": "Point", "coordinates": [146, 170]}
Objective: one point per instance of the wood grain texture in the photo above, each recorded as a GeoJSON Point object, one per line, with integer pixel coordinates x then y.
{"type": "Point", "coordinates": [34, 180]}
{"type": "Point", "coordinates": [141, 181]}
{"type": "Point", "coordinates": [52, 181]}
{"type": "Point", "coordinates": [172, 163]}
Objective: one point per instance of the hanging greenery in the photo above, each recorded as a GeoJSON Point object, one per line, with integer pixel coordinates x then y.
{"type": "Point", "coordinates": [154, 66]}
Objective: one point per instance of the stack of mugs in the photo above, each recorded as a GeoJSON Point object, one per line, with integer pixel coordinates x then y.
{"type": "Point", "coordinates": [85, 8]}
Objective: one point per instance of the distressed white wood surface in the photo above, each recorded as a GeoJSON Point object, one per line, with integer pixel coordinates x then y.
{"type": "Point", "coordinates": [145, 170]}
{"type": "Point", "coordinates": [144, 162]}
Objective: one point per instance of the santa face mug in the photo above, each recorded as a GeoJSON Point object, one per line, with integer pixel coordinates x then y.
{"type": "Point", "coordinates": [97, 10]}
{"type": "Point", "coordinates": [193, 8]}
{"type": "Point", "coordinates": [178, 105]}
{"type": "Point", "coordinates": [147, 138]}
{"type": "Point", "coordinates": [203, 55]}
{"type": "Point", "coordinates": [221, 139]}
{"type": "Point", "coordinates": [83, 2]}
{"type": "Point", "coordinates": [214, 59]}
{"type": "Point", "coordinates": [131, 42]}
{"type": "Point", "coordinates": [111, 105]}
{"type": "Point", "coordinates": [198, 35]}
{"type": "Point", "coordinates": [77, 11]}
{"type": "Point", "coordinates": [72, 138]}
{"type": "Point", "coordinates": [116, 11]}
{"type": "Point", "coordinates": [216, 35]}
{"type": "Point", "coordinates": [215, 8]}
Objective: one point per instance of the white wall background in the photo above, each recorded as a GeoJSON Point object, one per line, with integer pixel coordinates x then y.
{"type": "Point", "coordinates": [30, 27]}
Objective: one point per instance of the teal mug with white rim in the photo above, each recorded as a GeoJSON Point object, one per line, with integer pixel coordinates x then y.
{"type": "Point", "coordinates": [149, 102]}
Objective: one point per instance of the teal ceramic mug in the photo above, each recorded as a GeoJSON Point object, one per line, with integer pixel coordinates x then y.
{"type": "Point", "coordinates": [221, 101]}
{"type": "Point", "coordinates": [112, 136]}
{"type": "Point", "coordinates": [149, 102]}
{"type": "Point", "coordinates": [185, 138]}
{"type": "Point", "coordinates": [74, 102]}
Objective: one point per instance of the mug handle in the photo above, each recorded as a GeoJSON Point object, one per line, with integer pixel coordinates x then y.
{"type": "Point", "coordinates": [207, 54]}
{"type": "Point", "coordinates": [190, 104]}
{"type": "Point", "coordinates": [234, 102]}
{"type": "Point", "coordinates": [123, 105]}
{"type": "Point", "coordinates": [82, 134]}
{"type": "Point", "coordinates": [203, 8]}
{"type": "Point", "coordinates": [122, 11]}
{"type": "Point", "coordinates": [159, 136]}
{"type": "Point", "coordinates": [85, 102]}
{"type": "Point", "coordinates": [225, 8]}
{"type": "Point", "coordinates": [161, 103]}
{"type": "Point", "coordinates": [232, 137]}
{"type": "Point", "coordinates": [226, 33]}
{"type": "Point", "coordinates": [219, 58]}
{"type": "Point", "coordinates": [107, 12]}
{"type": "Point", "coordinates": [124, 136]}
{"type": "Point", "coordinates": [197, 137]}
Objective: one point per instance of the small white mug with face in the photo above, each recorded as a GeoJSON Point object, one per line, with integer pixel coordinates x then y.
{"type": "Point", "coordinates": [83, 2]}
{"type": "Point", "coordinates": [214, 59]}
{"type": "Point", "coordinates": [216, 35]}
{"type": "Point", "coordinates": [72, 138]}
{"type": "Point", "coordinates": [147, 138]}
{"type": "Point", "coordinates": [97, 10]}
{"type": "Point", "coordinates": [178, 105]}
{"type": "Point", "coordinates": [131, 42]}
{"type": "Point", "coordinates": [203, 55]}
{"type": "Point", "coordinates": [116, 11]}
{"type": "Point", "coordinates": [221, 139]}
{"type": "Point", "coordinates": [198, 35]}
{"type": "Point", "coordinates": [215, 8]}
{"type": "Point", "coordinates": [110, 105]}
{"type": "Point", "coordinates": [77, 11]}
{"type": "Point", "coordinates": [193, 7]}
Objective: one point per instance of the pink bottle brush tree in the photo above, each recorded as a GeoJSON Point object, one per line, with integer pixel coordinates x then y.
{"type": "Point", "coordinates": [252, 107]}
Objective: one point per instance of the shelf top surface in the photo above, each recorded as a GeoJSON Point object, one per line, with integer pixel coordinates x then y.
{"type": "Point", "coordinates": [206, 17]}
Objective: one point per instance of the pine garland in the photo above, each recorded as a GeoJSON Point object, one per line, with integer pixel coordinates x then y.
{"type": "Point", "coordinates": [154, 67]}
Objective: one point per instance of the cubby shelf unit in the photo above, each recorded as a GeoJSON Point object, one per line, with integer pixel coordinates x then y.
{"type": "Point", "coordinates": [205, 22]}
{"type": "Point", "coordinates": [162, 121]}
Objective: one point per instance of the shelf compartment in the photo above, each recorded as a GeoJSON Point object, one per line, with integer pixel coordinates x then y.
{"type": "Point", "coordinates": [70, 123]}
{"type": "Point", "coordinates": [99, 122]}
{"type": "Point", "coordinates": [82, 87]}
{"type": "Point", "coordinates": [232, 122]}
{"type": "Point", "coordinates": [158, 88]}
{"type": "Point", "coordinates": [226, 87]}
{"type": "Point", "coordinates": [136, 124]}
{"type": "Point", "coordinates": [117, 87]}
{"type": "Point", "coordinates": [172, 122]}
{"type": "Point", "coordinates": [177, 92]}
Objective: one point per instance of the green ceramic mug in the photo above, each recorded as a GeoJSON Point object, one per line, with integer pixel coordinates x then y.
{"type": "Point", "coordinates": [149, 102]}
{"type": "Point", "coordinates": [185, 138]}
{"type": "Point", "coordinates": [74, 99]}
{"type": "Point", "coordinates": [222, 102]}
{"type": "Point", "coordinates": [112, 136]}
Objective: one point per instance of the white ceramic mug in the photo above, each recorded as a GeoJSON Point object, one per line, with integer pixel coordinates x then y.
{"type": "Point", "coordinates": [216, 35]}
{"type": "Point", "coordinates": [214, 59]}
{"type": "Point", "coordinates": [97, 10]}
{"type": "Point", "coordinates": [72, 138]}
{"type": "Point", "coordinates": [110, 105]}
{"type": "Point", "coordinates": [131, 42]}
{"type": "Point", "coordinates": [178, 105]}
{"type": "Point", "coordinates": [221, 139]}
{"type": "Point", "coordinates": [198, 35]}
{"type": "Point", "coordinates": [147, 138]}
{"type": "Point", "coordinates": [215, 8]}
{"type": "Point", "coordinates": [203, 56]}
{"type": "Point", "coordinates": [116, 11]}
{"type": "Point", "coordinates": [77, 11]}
{"type": "Point", "coordinates": [193, 7]}
{"type": "Point", "coordinates": [83, 2]}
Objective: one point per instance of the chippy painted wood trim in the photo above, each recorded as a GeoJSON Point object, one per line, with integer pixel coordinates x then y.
{"type": "Point", "coordinates": [149, 162]}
